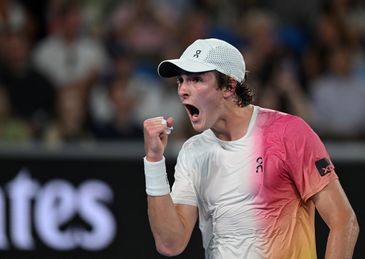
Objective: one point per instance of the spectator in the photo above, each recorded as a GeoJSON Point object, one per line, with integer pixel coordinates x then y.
{"type": "Point", "coordinates": [122, 66]}
{"type": "Point", "coordinates": [122, 125]}
{"type": "Point", "coordinates": [284, 92]}
{"type": "Point", "coordinates": [142, 27]}
{"type": "Point", "coordinates": [71, 121]}
{"type": "Point", "coordinates": [12, 129]}
{"type": "Point", "coordinates": [31, 94]}
{"type": "Point", "coordinates": [14, 17]}
{"type": "Point", "coordinates": [338, 98]}
{"type": "Point", "coordinates": [67, 56]}
{"type": "Point", "coordinates": [258, 32]}
{"type": "Point", "coordinates": [72, 53]}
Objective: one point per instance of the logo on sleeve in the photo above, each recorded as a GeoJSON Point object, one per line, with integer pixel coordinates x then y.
{"type": "Point", "coordinates": [324, 166]}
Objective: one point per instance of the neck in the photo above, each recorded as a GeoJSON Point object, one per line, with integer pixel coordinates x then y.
{"type": "Point", "coordinates": [234, 124]}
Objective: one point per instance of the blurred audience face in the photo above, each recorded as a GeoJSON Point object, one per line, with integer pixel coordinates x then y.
{"type": "Point", "coordinates": [67, 19]}
{"type": "Point", "coordinates": [72, 20]}
{"type": "Point", "coordinates": [121, 100]}
{"type": "Point", "coordinates": [340, 61]}
{"type": "Point", "coordinates": [16, 52]}
{"type": "Point", "coordinates": [71, 110]}
{"type": "Point", "coordinates": [124, 65]}
{"type": "Point", "coordinates": [328, 34]}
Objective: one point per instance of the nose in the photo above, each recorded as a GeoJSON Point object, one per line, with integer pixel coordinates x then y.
{"type": "Point", "coordinates": [183, 90]}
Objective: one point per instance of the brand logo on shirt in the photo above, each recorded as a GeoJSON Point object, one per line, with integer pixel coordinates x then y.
{"type": "Point", "coordinates": [324, 166]}
{"type": "Point", "coordinates": [259, 165]}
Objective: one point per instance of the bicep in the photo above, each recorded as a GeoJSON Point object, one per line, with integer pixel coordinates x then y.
{"type": "Point", "coordinates": [332, 204]}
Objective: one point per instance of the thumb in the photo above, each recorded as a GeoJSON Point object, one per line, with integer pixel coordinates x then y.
{"type": "Point", "coordinates": [170, 121]}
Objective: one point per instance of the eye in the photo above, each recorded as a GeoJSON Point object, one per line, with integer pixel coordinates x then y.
{"type": "Point", "coordinates": [179, 81]}
{"type": "Point", "coordinates": [196, 79]}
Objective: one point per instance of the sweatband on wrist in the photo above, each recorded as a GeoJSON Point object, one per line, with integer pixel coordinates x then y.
{"type": "Point", "coordinates": [157, 183]}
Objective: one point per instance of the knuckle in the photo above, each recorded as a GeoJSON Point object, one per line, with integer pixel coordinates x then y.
{"type": "Point", "coordinates": [146, 123]}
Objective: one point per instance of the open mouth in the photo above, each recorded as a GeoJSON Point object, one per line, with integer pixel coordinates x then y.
{"type": "Point", "coordinates": [193, 111]}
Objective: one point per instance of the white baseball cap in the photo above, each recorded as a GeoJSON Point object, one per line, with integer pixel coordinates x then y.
{"type": "Point", "coordinates": [207, 55]}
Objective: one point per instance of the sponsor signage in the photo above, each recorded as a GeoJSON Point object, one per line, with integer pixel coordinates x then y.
{"type": "Point", "coordinates": [75, 208]}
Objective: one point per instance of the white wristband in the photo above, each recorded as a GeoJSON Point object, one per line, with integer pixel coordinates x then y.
{"type": "Point", "coordinates": [157, 183]}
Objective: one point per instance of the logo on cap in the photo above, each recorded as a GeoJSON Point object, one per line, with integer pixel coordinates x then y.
{"type": "Point", "coordinates": [197, 52]}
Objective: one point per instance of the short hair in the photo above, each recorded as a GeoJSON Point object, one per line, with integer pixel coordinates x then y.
{"type": "Point", "coordinates": [243, 94]}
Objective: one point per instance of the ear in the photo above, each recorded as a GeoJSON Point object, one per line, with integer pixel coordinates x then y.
{"type": "Point", "coordinates": [230, 89]}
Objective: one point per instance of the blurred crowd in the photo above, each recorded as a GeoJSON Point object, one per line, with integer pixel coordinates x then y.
{"type": "Point", "coordinates": [86, 70]}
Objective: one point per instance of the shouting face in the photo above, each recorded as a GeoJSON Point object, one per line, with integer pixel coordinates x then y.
{"type": "Point", "coordinates": [202, 99]}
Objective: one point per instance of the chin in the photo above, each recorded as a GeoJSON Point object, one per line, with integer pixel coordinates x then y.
{"type": "Point", "coordinates": [199, 127]}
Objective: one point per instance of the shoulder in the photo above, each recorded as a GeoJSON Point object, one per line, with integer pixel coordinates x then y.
{"type": "Point", "coordinates": [284, 127]}
{"type": "Point", "coordinates": [198, 144]}
{"type": "Point", "coordinates": [278, 122]}
{"type": "Point", "coordinates": [297, 127]}
{"type": "Point", "coordinates": [196, 141]}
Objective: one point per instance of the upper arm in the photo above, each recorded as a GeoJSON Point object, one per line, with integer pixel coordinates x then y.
{"type": "Point", "coordinates": [306, 159]}
{"type": "Point", "coordinates": [335, 209]}
{"type": "Point", "coordinates": [332, 205]}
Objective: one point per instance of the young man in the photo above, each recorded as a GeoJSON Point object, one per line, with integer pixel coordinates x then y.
{"type": "Point", "coordinates": [253, 176]}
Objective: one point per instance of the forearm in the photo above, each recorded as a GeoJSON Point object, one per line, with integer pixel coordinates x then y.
{"type": "Point", "coordinates": [171, 224]}
{"type": "Point", "coordinates": [167, 221]}
{"type": "Point", "coordinates": [342, 239]}
{"type": "Point", "coordinates": [167, 226]}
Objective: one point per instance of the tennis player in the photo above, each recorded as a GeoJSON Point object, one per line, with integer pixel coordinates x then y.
{"type": "Point", "coordinates": [253, 176]}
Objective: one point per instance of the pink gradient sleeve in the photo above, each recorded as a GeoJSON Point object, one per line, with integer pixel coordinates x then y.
{"type": "Point", "coordinates": [304, 151]}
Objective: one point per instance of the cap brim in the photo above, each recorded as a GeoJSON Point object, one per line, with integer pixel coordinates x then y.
{"type": "Point", "coordinates": [173, 67]}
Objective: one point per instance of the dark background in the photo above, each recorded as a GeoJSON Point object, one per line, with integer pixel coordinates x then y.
{"type": "Point", "coordinates": [125, 177]}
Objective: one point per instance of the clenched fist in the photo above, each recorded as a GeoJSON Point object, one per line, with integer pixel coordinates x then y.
{"type": "Point", "coordinates": [155, 137]}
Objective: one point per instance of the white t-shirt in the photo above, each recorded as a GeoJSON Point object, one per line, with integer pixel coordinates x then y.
{"type": "Point", "coordinates": [253, 192]}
